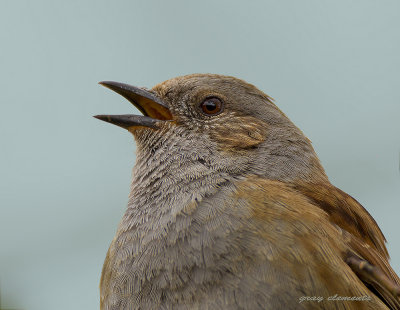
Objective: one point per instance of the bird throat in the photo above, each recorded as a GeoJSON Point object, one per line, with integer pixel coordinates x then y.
{"type": "Point", "coordinates": [171, 176]}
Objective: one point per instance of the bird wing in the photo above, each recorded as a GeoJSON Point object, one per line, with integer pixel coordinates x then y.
{"type": "Point", "coordinates": [323, 247]}
{"type": "Point", "coordinates": [367, 255]}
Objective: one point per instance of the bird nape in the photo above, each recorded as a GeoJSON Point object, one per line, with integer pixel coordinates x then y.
{"type": "Point", "coordinates": [230, 208]}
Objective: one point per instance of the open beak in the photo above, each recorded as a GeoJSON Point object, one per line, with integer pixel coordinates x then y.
{"type": "Point", "coordinates": [153, 108]}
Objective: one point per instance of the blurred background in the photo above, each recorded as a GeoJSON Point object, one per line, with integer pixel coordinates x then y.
{"type": "Point", "coordinates": [332, 67]}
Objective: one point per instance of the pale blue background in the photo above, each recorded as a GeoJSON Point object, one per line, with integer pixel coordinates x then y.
{"type": "Point", "coordinates": [332, 66]}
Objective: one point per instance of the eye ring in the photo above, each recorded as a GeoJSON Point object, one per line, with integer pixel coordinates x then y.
{"type": "Point", "coordinates": [212, 106]}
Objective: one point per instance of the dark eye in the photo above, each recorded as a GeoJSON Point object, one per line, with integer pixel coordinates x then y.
{"type": "Point", "coordinates": [211, 106]}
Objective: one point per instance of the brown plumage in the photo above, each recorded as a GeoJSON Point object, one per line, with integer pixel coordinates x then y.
{"type": "Point", "coordinates": [230, 208]}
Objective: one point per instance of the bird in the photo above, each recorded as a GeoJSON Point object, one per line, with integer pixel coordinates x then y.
{"type": "Point", "coordinates": [230, 208]}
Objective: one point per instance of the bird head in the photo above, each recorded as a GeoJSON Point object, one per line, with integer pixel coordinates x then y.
{"type": "Point", "coordinates": [222, 122]}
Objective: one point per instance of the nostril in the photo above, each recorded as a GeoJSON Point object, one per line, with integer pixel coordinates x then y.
{"type": "Point", "coordinates": [201, 161]}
